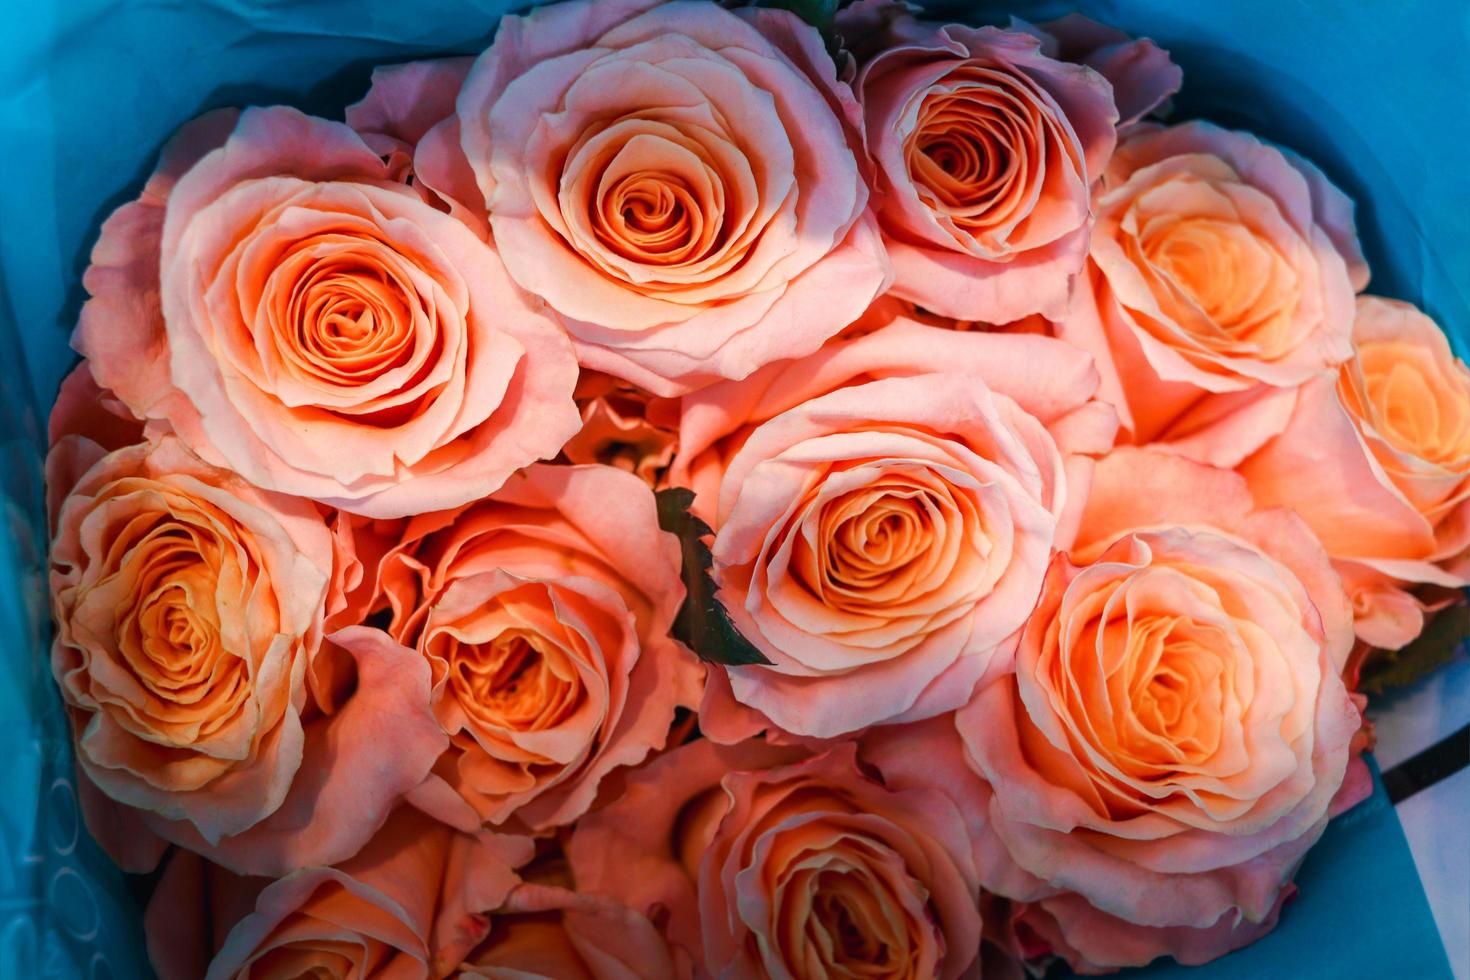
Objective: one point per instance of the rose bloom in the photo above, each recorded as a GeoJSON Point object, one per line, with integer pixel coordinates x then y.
{"type": "Point", "coordinates": [295, 314]}
{"type": "Point", "coordinates": [985, 150]}
{"type": "Point", "coordinates": [882, 531]}
{"type": "Point", "coordinates": [191, 610]}
{"type": "Point", "coordinates": [1176, 732]}
{"type": "Point", "coordinates": [763, 864]}
{"type": "Point", "coordinates": [543, 613]}
{"type": "Point", "coordinates": [409, 906]}
{"type": "Point", "coordinates": [1221, 278]}
{"type": "Point", "coordinates": [1393, 427]}
{"type": "Point", "coordinates": [546, 931]}
{"type": "Point", "coordinates": [678, 182]}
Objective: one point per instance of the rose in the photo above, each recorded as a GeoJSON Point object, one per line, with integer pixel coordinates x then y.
{"type": "Point", "coordinates": [548, 932]}
{"type": "Point", "coordinates": [678, 182]}
{"type": "Point", "coordinates": [543, 613]}
{"type": "Point", "coordinates": [294, 314]}
{"type": "Point", "coordinates": [880, 543]}
{"type": "Point", "coordinates": [623, 426]}
{"type": "Point", "coordinates": [804, 870]}
{"type": "Point", "coordinates": [1176, 732]}
{"type": "Point", "coordinates": [411, 904]}
{"type": "Point", "coordinates": [188, 605]}
{"type": "Point", "coordinates": [985, 150]}
{"type": "Point", "coordinates": [190, 610]}
{"type": "Point", "coordinates": [1221, 277]}
{"type": "Point", "coordinates": [1393, 426]}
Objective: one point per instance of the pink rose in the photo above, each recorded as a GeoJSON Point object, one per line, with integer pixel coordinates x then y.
{"type": "Point", "coordinates": [293, 313]}
{"type": "Point", "coordinates": [1393, 427]}
{"type": "Point", "coordinates": [1176, 732]}
{"type": "Point", "coordinates": [767, 867]}
{"type": "Point", "coordinates": [416, 899]}
{"type": "Point", "coordinates": [543, 614]}
{"type": "Point", "coordinates": [191, 609]}
{"type": "Point", "coordinates": [678, 182]}
{"type": "Point", "coordinates": [986, 150]}
{"type": "Point", "coordinates": [1221, 278]}
{"type": "Point", "coordinates": [882, 530]}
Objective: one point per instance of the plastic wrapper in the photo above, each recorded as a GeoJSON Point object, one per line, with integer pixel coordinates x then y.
{"type": "Point", "coordinates": [90, 88]}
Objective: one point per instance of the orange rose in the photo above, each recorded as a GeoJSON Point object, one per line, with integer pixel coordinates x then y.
{"type": "Point", "coordinates": [1176, 733]}
{"type": "Point", "coordinates": [881, 531]}
{"type": "Point", "coordinates": [678, 183]}
{"type": "Point", "coordinates": [805, 870]}
{"type": "Point", "coordinates": [295, 314]}
{"type": "Point", "coordinates": [1393, 427]}
{"type": "Point", "coordinates": [416, 899]}
{"type": "Point", "coordinates": [543, 614]}
{"type": "Point", "coordinates": [985, 150]}
{"type": "Point", "coordinates": [1221, 277]}
{"type": "Point", "coordinates": [191, 609]}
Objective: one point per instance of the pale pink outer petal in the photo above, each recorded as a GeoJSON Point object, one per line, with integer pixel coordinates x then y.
{"type": "Point", "coordinates": [1093, 942]}
{"type": "Point", "coordinates": [1142, 74]}
{"type": "Point", "coordinates": [1046, 378]}
{"type": "Point", "coordinates": [1321, 468]}
{"type": "Point", "coordinates": [955, 284]}
{"type": "Point", "coordinates": [344, 791]}
{"type": "Point", "coordinates": [406, 101]}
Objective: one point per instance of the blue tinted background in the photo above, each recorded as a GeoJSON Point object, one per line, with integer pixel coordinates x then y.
{"type": "Point", "coordinates": [1375, 93]}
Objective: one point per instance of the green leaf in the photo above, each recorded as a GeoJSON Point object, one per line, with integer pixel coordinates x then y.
{"type": "Point", "coordinates": [702, 624]}
{"type": "Point", "coordinates": [821, 14]}
{"type": "Point", "coordinates": [1434, 648]}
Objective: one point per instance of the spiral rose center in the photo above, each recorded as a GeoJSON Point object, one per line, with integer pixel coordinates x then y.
{"type": "Point", "coordinates": [884, 544]}
{"type": "Point", "coordinates": [651, 218]}
{"type": "Point", "coordinates": [515, 681]}
{"type": "Point", "coordinates": [847, 929]}
{"type": "Point", "coordinates": [169, 634]}
{"type": "Point", "coordinates": [1419, 405]}
{"type": "Point", "coordinates": [972, 152]}
{"type": "Point", "coordinates": [341, 315]}
{"type": "Point", "coordinates": [1246, 291]}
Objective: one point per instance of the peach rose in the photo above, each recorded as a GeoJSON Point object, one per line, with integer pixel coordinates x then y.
{"type": "Point", "coordinates": [623, 426]}
{"type": "Point", "coordinates": [1392, 427]}
{"type": "Point", "coordinates": [766, 867]}
{"type": "Point", "coordinates": [1176, 732]}
{"type": "Point", "coordinates": [677, 181]}
{"type": "Point", "coordinates": [1221, 278]}
{"type": "Point", "coordinates": [985, 150]}
{"type": "Point", "coordinates": [293, 313]}
{"type": "Point", "coordinates": [190, 610]}
{"type": "Point", "coordinates": [409, 907]}
{"type": "Point", "coordinates": [881, 541]}
{"type": "Point", "coordinates": [548, 932]}
{"type": "Point", "coordinates": [543, 613]}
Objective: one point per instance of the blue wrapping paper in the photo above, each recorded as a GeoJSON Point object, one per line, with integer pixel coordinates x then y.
{"type": "Point", "coordinates": [1375, 94]}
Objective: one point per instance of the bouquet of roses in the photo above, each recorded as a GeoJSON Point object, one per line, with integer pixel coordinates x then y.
{"type": "Point", "coordinates": [707, 491]}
